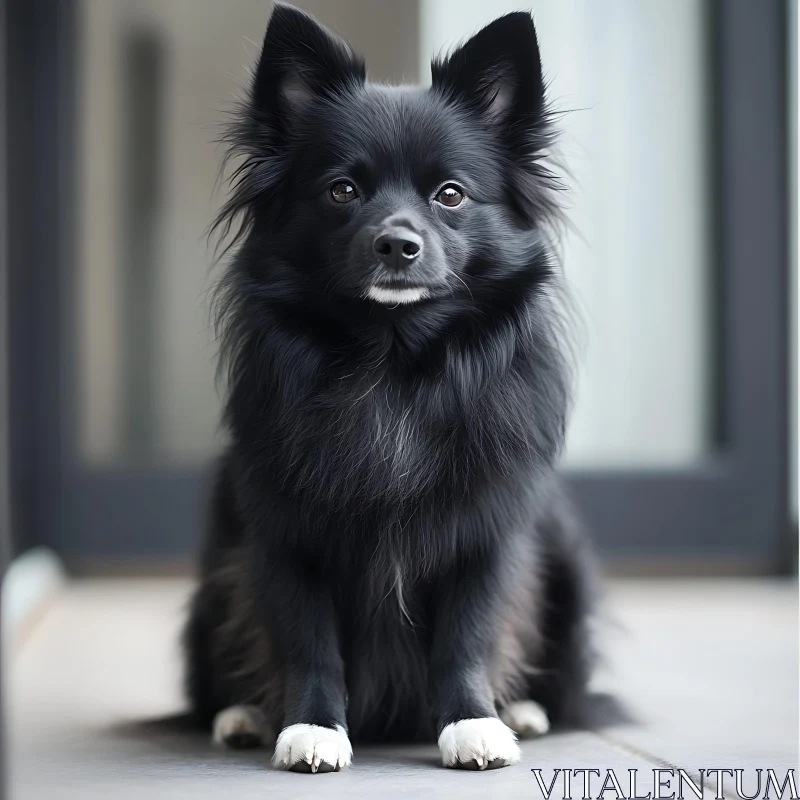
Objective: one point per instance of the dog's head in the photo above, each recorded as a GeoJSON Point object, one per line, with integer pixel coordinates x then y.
{"type": "Point", "coordinates": [395, 195]}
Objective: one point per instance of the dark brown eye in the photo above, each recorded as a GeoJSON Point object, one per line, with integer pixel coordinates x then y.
{"type": "Point", "coordinates": [343, 192]}
{"type": "Point", "coordinates": [450, 195]}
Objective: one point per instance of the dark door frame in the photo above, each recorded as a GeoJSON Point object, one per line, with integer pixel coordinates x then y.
{"type": "Point", "coordinates": [39, 49]}
{"type": "Point", "coordinates": [733, 509]}
{"type": "Point", "coordinates": [729, 511]}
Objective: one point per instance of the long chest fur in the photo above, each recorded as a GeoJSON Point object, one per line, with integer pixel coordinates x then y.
{"type": "Point", "coordinates": [374, 442]}
{"type": "Point", "coordinates": [358, 446]}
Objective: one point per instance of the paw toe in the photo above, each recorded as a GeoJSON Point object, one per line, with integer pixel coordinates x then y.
{"type": "Point", "coordinates": [312, 749]}
{"type": "Point", "coordinates": [478, 744]}
{"type": "Point", "coordinates": [526, 718]}
{"type": "Point", "coordinates": [241, 727]}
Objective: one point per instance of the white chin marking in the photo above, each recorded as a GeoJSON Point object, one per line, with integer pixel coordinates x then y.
{"type": "Point", "coordinates": [478, 744]}
{"type": "Point", "coordinates": [312, 748]}
{"type": "Point", "coordinates": [242, 726]}
{"type": "Point", "coordinates": [394, 297]}
{"type": "Point", "coordinates": [526, 718]}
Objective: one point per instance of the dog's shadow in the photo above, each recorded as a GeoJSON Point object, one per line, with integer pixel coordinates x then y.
{"type": "Point", "coordinates": [165, 741]}
{"type": "Point", "coordinates": [177, 739]}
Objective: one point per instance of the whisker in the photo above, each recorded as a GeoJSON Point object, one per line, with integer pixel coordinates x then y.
{"type": "Point", "coordinates": [457, 276]}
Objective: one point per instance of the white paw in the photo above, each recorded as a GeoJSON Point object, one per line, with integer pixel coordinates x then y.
{"type": "Point", "coordinates": [312, 748]}
{"type": "Point", "coordinates": [241, 726]}
{"type": "Point", "coordinates": [526, 718]}
{"type": "Point", "coordinates": [478, 744]}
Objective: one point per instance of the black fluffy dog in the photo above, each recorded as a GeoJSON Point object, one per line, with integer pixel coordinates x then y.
{"type": "Point", "coordinates": [389, 555]}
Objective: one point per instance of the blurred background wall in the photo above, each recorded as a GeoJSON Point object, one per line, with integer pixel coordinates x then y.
{"type": "Point", "coordinates": [634, 147]}
{"type": "Point", "coordinates": [679, 443]}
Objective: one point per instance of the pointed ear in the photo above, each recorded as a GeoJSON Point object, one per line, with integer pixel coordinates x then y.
{"type": "Point", "coordinates": [300, 61]}
{"type": "Point", "coordinates": [498, 71]}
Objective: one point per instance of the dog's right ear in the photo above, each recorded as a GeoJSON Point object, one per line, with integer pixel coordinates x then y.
{"type": "Point", "coordinates": [300, 61]}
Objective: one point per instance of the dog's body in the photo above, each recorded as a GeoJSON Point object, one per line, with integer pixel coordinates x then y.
{"type": "Point", "coordinates": [389, 551]}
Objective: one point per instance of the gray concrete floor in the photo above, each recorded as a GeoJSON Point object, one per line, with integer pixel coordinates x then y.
{"type": "Point", "coordinates": [709, 667]}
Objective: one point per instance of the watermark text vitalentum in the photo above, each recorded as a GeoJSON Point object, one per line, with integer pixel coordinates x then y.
{"type": "Point", "coordinates": [667, 784]}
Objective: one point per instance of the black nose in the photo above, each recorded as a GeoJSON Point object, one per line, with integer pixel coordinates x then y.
{"type": "Point", "coordinates": [398, 247]}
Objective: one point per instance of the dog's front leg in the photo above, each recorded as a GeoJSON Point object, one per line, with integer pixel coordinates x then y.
{"type": "Point", "coordinates": [302, 617]}
{"type": "Point", "coordinates": [471, 735]}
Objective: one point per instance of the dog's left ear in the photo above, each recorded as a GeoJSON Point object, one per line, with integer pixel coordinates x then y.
{"type": "Point", "coordinates": [498, 72]}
